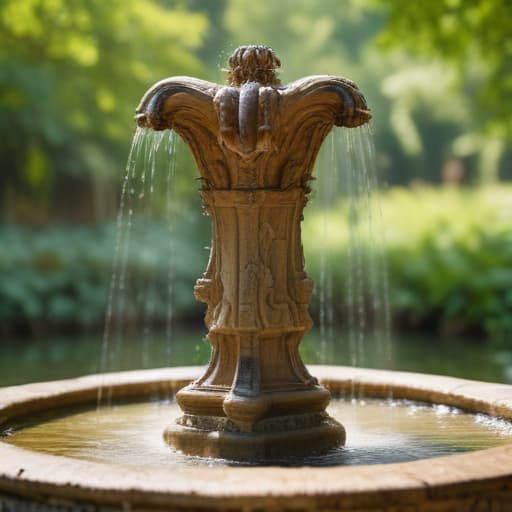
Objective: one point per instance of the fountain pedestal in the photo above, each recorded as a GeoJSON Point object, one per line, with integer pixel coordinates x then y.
{"type": "Point", "coordinates": [255, 143]}
{"type": "Point", "coordinates": [256, 394]}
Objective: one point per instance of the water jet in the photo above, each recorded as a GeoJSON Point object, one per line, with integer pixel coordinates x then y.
{"type": "Point", "coordinates": [254, 142]}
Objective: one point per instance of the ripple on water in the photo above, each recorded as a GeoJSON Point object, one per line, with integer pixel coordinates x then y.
{"type": "Point", "coordinates": [378, 432]}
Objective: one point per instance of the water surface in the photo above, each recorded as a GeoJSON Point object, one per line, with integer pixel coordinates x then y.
{"type": "Point", "coordinates": [377, 432]}
{"type": "Point", "coordinates": [23, 361]}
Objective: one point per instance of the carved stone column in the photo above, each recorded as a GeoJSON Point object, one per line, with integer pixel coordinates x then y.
{"type": "Point", "coordinates": [255, 143]}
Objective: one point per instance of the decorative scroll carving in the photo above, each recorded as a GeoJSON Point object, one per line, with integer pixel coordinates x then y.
{"type": "Point", "coordinates": [255, 143]}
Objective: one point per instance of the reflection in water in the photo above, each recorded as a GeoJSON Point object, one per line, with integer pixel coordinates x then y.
{"type": "Point", "coordinates": [377, 432]}
{"type": "Point", "coordinates": [62, 357]}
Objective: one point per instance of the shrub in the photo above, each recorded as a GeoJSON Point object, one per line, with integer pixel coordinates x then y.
{"type": "Point", "coordinates": [448, 251]}
{"type": "Point", "coordinates": [60, 276]}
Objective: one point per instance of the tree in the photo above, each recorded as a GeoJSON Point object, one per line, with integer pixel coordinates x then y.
{"type": "Point", "coordinates": [71, 75]}
{"type": "Point", "coordinates": [473, 38]}
{"type": "Point", "coordinates": [414, 123]}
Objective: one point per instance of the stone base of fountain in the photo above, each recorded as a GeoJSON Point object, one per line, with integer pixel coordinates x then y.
{"type": "Point", "coordinates": [243, 424]}
{"type": "Point", "coordinates": [480, 480]}
{"type": "Point", "coordinates": [276, 437]}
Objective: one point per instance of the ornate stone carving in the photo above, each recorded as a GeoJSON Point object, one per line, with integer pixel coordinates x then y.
{"type": "Point", "coordinates": [255, 143]}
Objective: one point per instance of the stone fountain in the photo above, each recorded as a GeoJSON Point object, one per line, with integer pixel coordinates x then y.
{"type": "Point", "coordinates": [255, 143]}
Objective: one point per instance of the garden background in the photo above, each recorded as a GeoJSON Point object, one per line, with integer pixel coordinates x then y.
{"type": "Point", "coordinates": [438, 78]}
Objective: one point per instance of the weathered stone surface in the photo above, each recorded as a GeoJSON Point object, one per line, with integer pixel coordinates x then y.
{"type": "Point", "coordinates": [255, 143]}
{"type": "Point", "coordinates": [479, 480]}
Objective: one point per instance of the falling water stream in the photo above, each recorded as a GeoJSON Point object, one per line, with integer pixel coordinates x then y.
{"type": "Point", "coordinates": [352, 290]}
{"type": "Point", "coordinates": [352, 285]}
{"type": "Point", "coordinates": [149, 181]}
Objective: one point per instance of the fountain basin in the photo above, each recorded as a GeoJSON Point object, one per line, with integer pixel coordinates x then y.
{"type": "Point", "coordinates": [480, 479]}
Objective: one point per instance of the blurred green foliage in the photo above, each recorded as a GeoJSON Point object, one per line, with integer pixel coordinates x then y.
{"type": "Point", "coordinates": [60, 277]}
{"type": "Point", "coordinates": [452, 265]}
{"type": "Point", "coordinates": [436, 74]}
{"type": "Point", "coordinates": [57, 275]}
{"type": "Point", "coordinates": [449, 254]}
{"type": "Point", "coordinates": [474, 36]}
{"type": "Point", "coordinates": [71, 75]}
{"type": "Point", "coordinates": [468, 45]}
{"type": "Point", "coordinates": [425, 111]}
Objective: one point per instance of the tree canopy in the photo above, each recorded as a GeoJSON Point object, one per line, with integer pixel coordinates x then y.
{"type": "Point", "coordinates": [71, 74]}
{"type": "Point", "coordinates": [474, 37]}
{"type": "Point", "coordinates": [471, 38]}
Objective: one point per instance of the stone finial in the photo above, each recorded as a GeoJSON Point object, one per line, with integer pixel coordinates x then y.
{"type": "Point", "coordinates": [255, 144]}
{"type": "Point", "coordinates": [254, 63]}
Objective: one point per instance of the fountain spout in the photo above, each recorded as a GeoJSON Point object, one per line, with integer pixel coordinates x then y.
{"type": "Point", "coordinates": [255, 143]}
